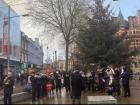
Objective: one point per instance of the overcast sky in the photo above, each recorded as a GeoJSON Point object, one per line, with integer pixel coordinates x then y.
{"type": "Point", "coordinates": [128, 7]}
{"type": "Point", "coordinates": [53, 43]}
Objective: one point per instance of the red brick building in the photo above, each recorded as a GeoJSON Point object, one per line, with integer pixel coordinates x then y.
{"type": "Point", "coordinates": [132, 28]}
{"type": "Point", "coordinates": [134, 34]}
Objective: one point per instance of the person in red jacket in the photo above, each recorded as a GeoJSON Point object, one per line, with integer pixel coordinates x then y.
{"type": "Point", "coordinates": [49, 87]}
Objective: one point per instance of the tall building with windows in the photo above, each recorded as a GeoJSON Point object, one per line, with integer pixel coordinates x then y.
{"type": "Point", "coordinates": [9, 26]}
{"type": "Point", "coordinates": [133, 34]}
{"type": "Point", "coordinates": [35, 53]}
{"type": "Point", "coordinates": [24, 51]}
{"type": "Point", "coordinates": [131, 30]}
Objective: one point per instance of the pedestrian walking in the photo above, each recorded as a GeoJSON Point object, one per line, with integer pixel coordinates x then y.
{"type": "Point", "coordinates": [34, 86]}
{"type": "Point", "coordinates": [67, 82]}
{"type": "Point", "coordinates": [8, 88]}
{"type": "Point", "coordinates": [101, 79]}
{"type": "Point", "coordinates": [22, 78]}
{"type": "Point", "coordinates": [117, 82]}
{"type": "Point", "coordinates": [26, 77]}
{"type": "Point", "coordinates": [38, 83]}
{"type": "Point", "coordinates": [58, 82]}
{"type": "Point", "coordinates": [83, 81]}
{"type": "Point", "coordinates": [76, 84]}
{"type": "Point", "coordinates": [92, 80]}
{"type": "Point", "coordinates": [44, 81]}
{"type": "Point", "coordinates": [49, 87]}
{"type": "Point", "coordinates": [52, 80]}
{"type": "Point", "coordinates": [88, 80]}
{"type": "Point", "coordinates": [125, 82]}
{"type": "Point", "coordinates": [111, 85]}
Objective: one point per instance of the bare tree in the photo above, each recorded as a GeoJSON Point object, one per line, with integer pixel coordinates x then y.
{"type": "Point", "coordinates": [60, 15]}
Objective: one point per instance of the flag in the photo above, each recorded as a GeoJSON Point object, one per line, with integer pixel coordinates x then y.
{"type": "Point", "coordinates": [4, 45]}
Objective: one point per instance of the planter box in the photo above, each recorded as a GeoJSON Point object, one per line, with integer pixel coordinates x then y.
{"type": "Point", "coordinates": [101, 100]}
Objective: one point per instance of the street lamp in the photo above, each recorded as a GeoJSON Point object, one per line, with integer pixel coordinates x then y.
{"type": "Point", "coordinates": [56, 55]}
{"type": "Point", "coordinates": [47, 54]}
{"type": "Point", "coordinates": [41, 46]}
{"type": "Point", "coordinates": [55, 59]}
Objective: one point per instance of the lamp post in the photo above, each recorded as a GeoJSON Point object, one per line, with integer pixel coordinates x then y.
{"type": "Point", "coordinates": [55, 55]}
{"type": "Point", "coordinates": [47, 54]}
{"type": "Point", "coordinates": [42, 53]}
{"type": "Point", "coordinates": [8, 37]}
{"type": "Point", "coordinates": [55, 59]}
{"type": "Point", "coordinates": [8, 40]}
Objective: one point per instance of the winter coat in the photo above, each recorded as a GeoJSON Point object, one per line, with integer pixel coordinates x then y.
{"type": "Point", "coordinates": [33, 81]}
{"type": "Point", "coordinates": [66, 80]}
{"type": "Point", "coordinates": [58, 80]}
{"type": "Point", "coordinates": [76, 84]}
{"type": "Point", "coordinates": [125, 78]}
{"type": "Point", "coordinates": [8, 86]}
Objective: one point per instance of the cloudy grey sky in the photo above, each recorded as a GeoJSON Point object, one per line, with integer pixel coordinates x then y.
{"type": "Point", "coordinates": [128, 7]}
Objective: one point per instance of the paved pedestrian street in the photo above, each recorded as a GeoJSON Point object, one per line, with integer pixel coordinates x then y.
{"type": "Point", "coordinates": [64, 98]}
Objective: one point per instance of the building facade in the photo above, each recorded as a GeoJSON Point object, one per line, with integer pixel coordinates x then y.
{"type": "Point", "coordinates": [74, 57]}
{"type": "Point", "coordinates": [9, 29]}
{"type": "Point", "coordinates": [24, 51]}
{"type": "Point", "coordinates": [35, 53]}
{"type": "Point", "coordinates": [132, 30]}
{"type": "Point", "coordinates": [134, 35]}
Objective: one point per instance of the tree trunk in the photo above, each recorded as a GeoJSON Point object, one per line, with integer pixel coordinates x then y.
{"type": "Point", "coordinates": [66, 56]}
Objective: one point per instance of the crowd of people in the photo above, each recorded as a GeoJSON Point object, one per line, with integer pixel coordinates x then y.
{"type": "Point", "coordinates": [110, 79]}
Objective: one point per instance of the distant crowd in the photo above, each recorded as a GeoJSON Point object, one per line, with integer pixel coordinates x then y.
{"type": "Point", "coordinates": [108, 80]}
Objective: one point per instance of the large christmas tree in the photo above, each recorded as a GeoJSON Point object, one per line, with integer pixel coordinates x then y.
{"type": "Point", "coordinates": [98, 41]}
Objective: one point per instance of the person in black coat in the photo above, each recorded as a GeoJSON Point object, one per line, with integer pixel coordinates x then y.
{"type": "Point", "coordinates": [34, 86]}
{"type": "Point", "coordinates": [67, 82]}
{"type": "Point", "coordinates": [8, 88]}
{"type": "Point", "coordinates": [76, 84]}
{"type": "Point", "coordinates": [92, 81]}
{"type": "Point", "coordinates": [44, 81]}
{"type": "Point", "coordinates": [101, 79]}
{"type": "Point", "coordinates": [125, 82]}
{"type": "Point", "coordinates": [58, 82]}
{"type": "Point", "coordinates": [39, 81]}
{"type": "Point", "coordinates": [84, 79]}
